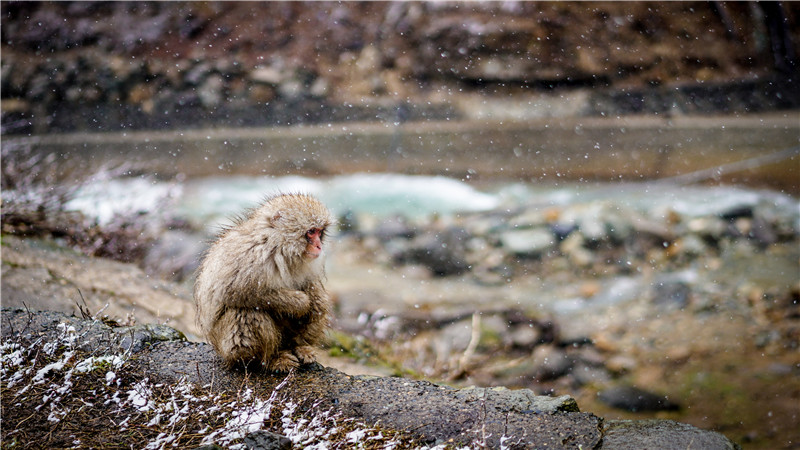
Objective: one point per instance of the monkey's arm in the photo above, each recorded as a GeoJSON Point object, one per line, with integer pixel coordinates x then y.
{"type": "Point", "coordinates": [319, 301]}
{"type": "Point", "coordinates": [286, 302]}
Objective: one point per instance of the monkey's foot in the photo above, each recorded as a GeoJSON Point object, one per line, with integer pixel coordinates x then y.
{"type": "Point", "coordinates": [305, 354]}
{"type": "Point", "coordinates": [284, 362]}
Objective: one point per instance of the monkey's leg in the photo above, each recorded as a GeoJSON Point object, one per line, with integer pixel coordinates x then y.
{"type": "Point", "coordinates": [241, 335]}
{"type": "Point", "coordinates": [311, 335]}
{"type": "Point", "coordinates": [283, 362]}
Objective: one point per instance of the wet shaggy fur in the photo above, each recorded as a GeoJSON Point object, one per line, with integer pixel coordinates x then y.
{"type": "Point", "coordinates": [258, 296]}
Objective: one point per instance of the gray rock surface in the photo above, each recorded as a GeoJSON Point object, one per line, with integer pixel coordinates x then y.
{"type": "Point", "coordinates": [43, 276]}
{"type": "Point", "coordinates": [430, 412]}
{"type": "Point", "coordinates": [660, 434]}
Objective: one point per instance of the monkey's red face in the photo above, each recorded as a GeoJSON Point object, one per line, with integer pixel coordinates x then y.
{"type": "Point", "coordinates": [314, 245]}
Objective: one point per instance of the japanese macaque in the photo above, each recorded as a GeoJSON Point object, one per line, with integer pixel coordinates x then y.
{"type": "Point", "coordinates": [259, 289]}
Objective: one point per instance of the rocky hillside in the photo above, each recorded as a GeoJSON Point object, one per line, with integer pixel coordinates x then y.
{"type": "Point", "coordinates": [120, 65]}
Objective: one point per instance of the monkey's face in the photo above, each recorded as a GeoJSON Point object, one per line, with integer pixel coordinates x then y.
{"type": "Point", "coordinates": [314, 242]}
{"type": "Point", "coordinates": [297, 224]}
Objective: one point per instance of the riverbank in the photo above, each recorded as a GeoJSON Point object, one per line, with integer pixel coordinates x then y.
{"type": "Point", "coordinates": [642, 304]}
{"type": "Point", "coordinates": [179, 65]}
{"type": "Point", "coordinates": [759, 151]}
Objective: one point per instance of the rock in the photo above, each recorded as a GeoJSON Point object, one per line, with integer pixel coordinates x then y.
{"type": "Point", "coordinates": [661, 434]}
{"type": "Point", "coordinates": [211, 91]}
{"type": "Point", "coordinates": [394, 227]}
{"type": "Point", "coordinates": [292, 88]}
{"type": "Point", "coordinates": [671, 294]}
{"type": "Point", "coordinates": [520, 399]}
{"type": "Point", "coordinates": [690, 245]}
{"type": "Point", "coordinates": [175, 255]}
{"type": "Point", "coordinates": [267, 75]}
{"type": "Point", "coordinates": [584, 373]}
{"type": "Point", "coordinates": [135, 338]}
{"type": "Point", "coordinates": [573, 248]}
{"type": "Point", "coordinates": [620, 364]}
{"type": "Point", "coordinates": [455, 337]}
{"type": "Point", "coordinates": [528, 242]}
{"type": "Point", "coordinates": [442, 252]}
{"type": "Point", "coordinates": [425, 411]}
{"type": "Point", "coordinates": [633, 399]}
{"type": "Point", "coordinates": [708, 227]}
{"type": "Point", "coordinates": [763, 232]}
{"type": "Point", "coordinates": [550, 362]}
{"type": "Point", "coordinates": [41, 274]}
{"type": "Point", "coordinates": [266, 440]}
{"type": "Point", "coordinates": [524, 336]}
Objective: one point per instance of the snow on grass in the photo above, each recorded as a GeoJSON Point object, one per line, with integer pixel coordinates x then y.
{"type": "Point", "coordinates": [52, 382]}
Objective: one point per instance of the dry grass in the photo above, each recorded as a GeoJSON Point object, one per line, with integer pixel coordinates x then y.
{"type": "Point", "coordinates": [34, 199]}
{"type": "Point", "coordinates": [55, 395]}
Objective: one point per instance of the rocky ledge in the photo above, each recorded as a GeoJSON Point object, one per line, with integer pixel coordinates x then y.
{"type": "Point", "coordinates": [151, 380]}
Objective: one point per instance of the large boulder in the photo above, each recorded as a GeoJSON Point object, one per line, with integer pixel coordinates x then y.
{"type": "Point", "coordinates": [427, 412]}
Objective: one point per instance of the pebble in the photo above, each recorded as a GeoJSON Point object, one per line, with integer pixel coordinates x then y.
{"type": "Point", "coordinates": [633, 399]}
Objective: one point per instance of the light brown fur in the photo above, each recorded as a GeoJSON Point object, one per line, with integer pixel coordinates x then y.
{"type": "Point", "coordinates": [259, 295]}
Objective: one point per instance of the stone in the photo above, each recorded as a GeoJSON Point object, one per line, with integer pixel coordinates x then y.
{"type": "Point", "coordinates": [527, 242]}
{"type": "Point", "coordinates": [424, 411]}
{"type": "Point", "coordinates": [620, 364]}
{"type": "Point", "coordinates": [573, 248]}
{"type": "Point", "coordinates": [631, 398]}
{"type": "Point", "coordinates": [267, 75]}
{"type": "Point", "coordinates": [661, 434]}
{"type": "Point", "coordinates": [524, 336]}
{"type": "Point", "coordinates": [174, 255]}
{"type": "Point", "coordinates": [266, 440]}
{"type": "Point", "coordinates": [550, 362]}
{"type": "Point", "coordinates": [394, 227]}
{"type": "Point", "coordinates": [671, 294]}
{"type": "Point", "coordinates": [441, 252]}
{"type": "Point", "coordinates": [210, 91]}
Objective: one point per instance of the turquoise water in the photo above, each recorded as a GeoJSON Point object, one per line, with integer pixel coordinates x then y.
{"type": "Point", "coordinates": [209, 201]}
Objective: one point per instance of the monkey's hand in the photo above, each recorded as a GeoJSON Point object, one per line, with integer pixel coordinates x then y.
{"type": "Point", "coordinates": [320, 301]}
{"type": "Point", "coordinates": [288, 302]}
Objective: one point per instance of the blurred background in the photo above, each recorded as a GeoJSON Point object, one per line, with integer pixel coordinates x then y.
{"type": "Point", "coordinates": [594, 199]}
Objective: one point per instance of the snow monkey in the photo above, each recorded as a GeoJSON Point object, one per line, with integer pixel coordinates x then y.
{"type": "Point", "coordinates": [259, 290]}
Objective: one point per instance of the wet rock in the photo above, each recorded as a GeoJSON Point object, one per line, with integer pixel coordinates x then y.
{"type": "Point", "coordinates": [707, 227]}
{"type": "Point", "coordinates": [633, 399]}
{"type": "Point", "coordinates": [394, 227]}
{"type": "Point", "coordinates": [51, 277]}
{"type": "Point", "coordinates": [441, 252]}
{"type": "Point", "coordinates": [428, 412]}
{"type": "Point", "coordinates": [136, 338]}
{"type": "Point", "coordinates": [550, 362]}
{"type": "Point", "coordinates": [662, 434]}
{"type": "Point", "coordinates": [455, 337]}
{"type": "Point", "coordinates": [211, 91]}
{"type": "Point", "coordinates": [690, 245]}
{"type": "Point", "coordinates": [198, 73]}
{"type": "Point", "coordinates": [520, 399]}
{"type": "Point", "coordinates": [620, 364]}
{"type": "Point", "coordinates": [266, 440]}
{"type": "Point", "coordinates": [175, 255]}
{"type": "Point", "coordinates": [584, 373]}
{"type": "Point", "coordinates": [524, 336]}
{"type": "Point", "coordinates": [527, 242]}
{"type": "Point", "coordinates": [763, 232]}
{"type": "Point", "coordinates": [267, 75]}
{"type": "Point", "coordinates": [671, 294]}
{"type": "Point", "coordinates": [573, 248]}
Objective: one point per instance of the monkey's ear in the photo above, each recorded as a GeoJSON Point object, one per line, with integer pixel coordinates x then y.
{"type": "Point", "coordinates": [274, 218]}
